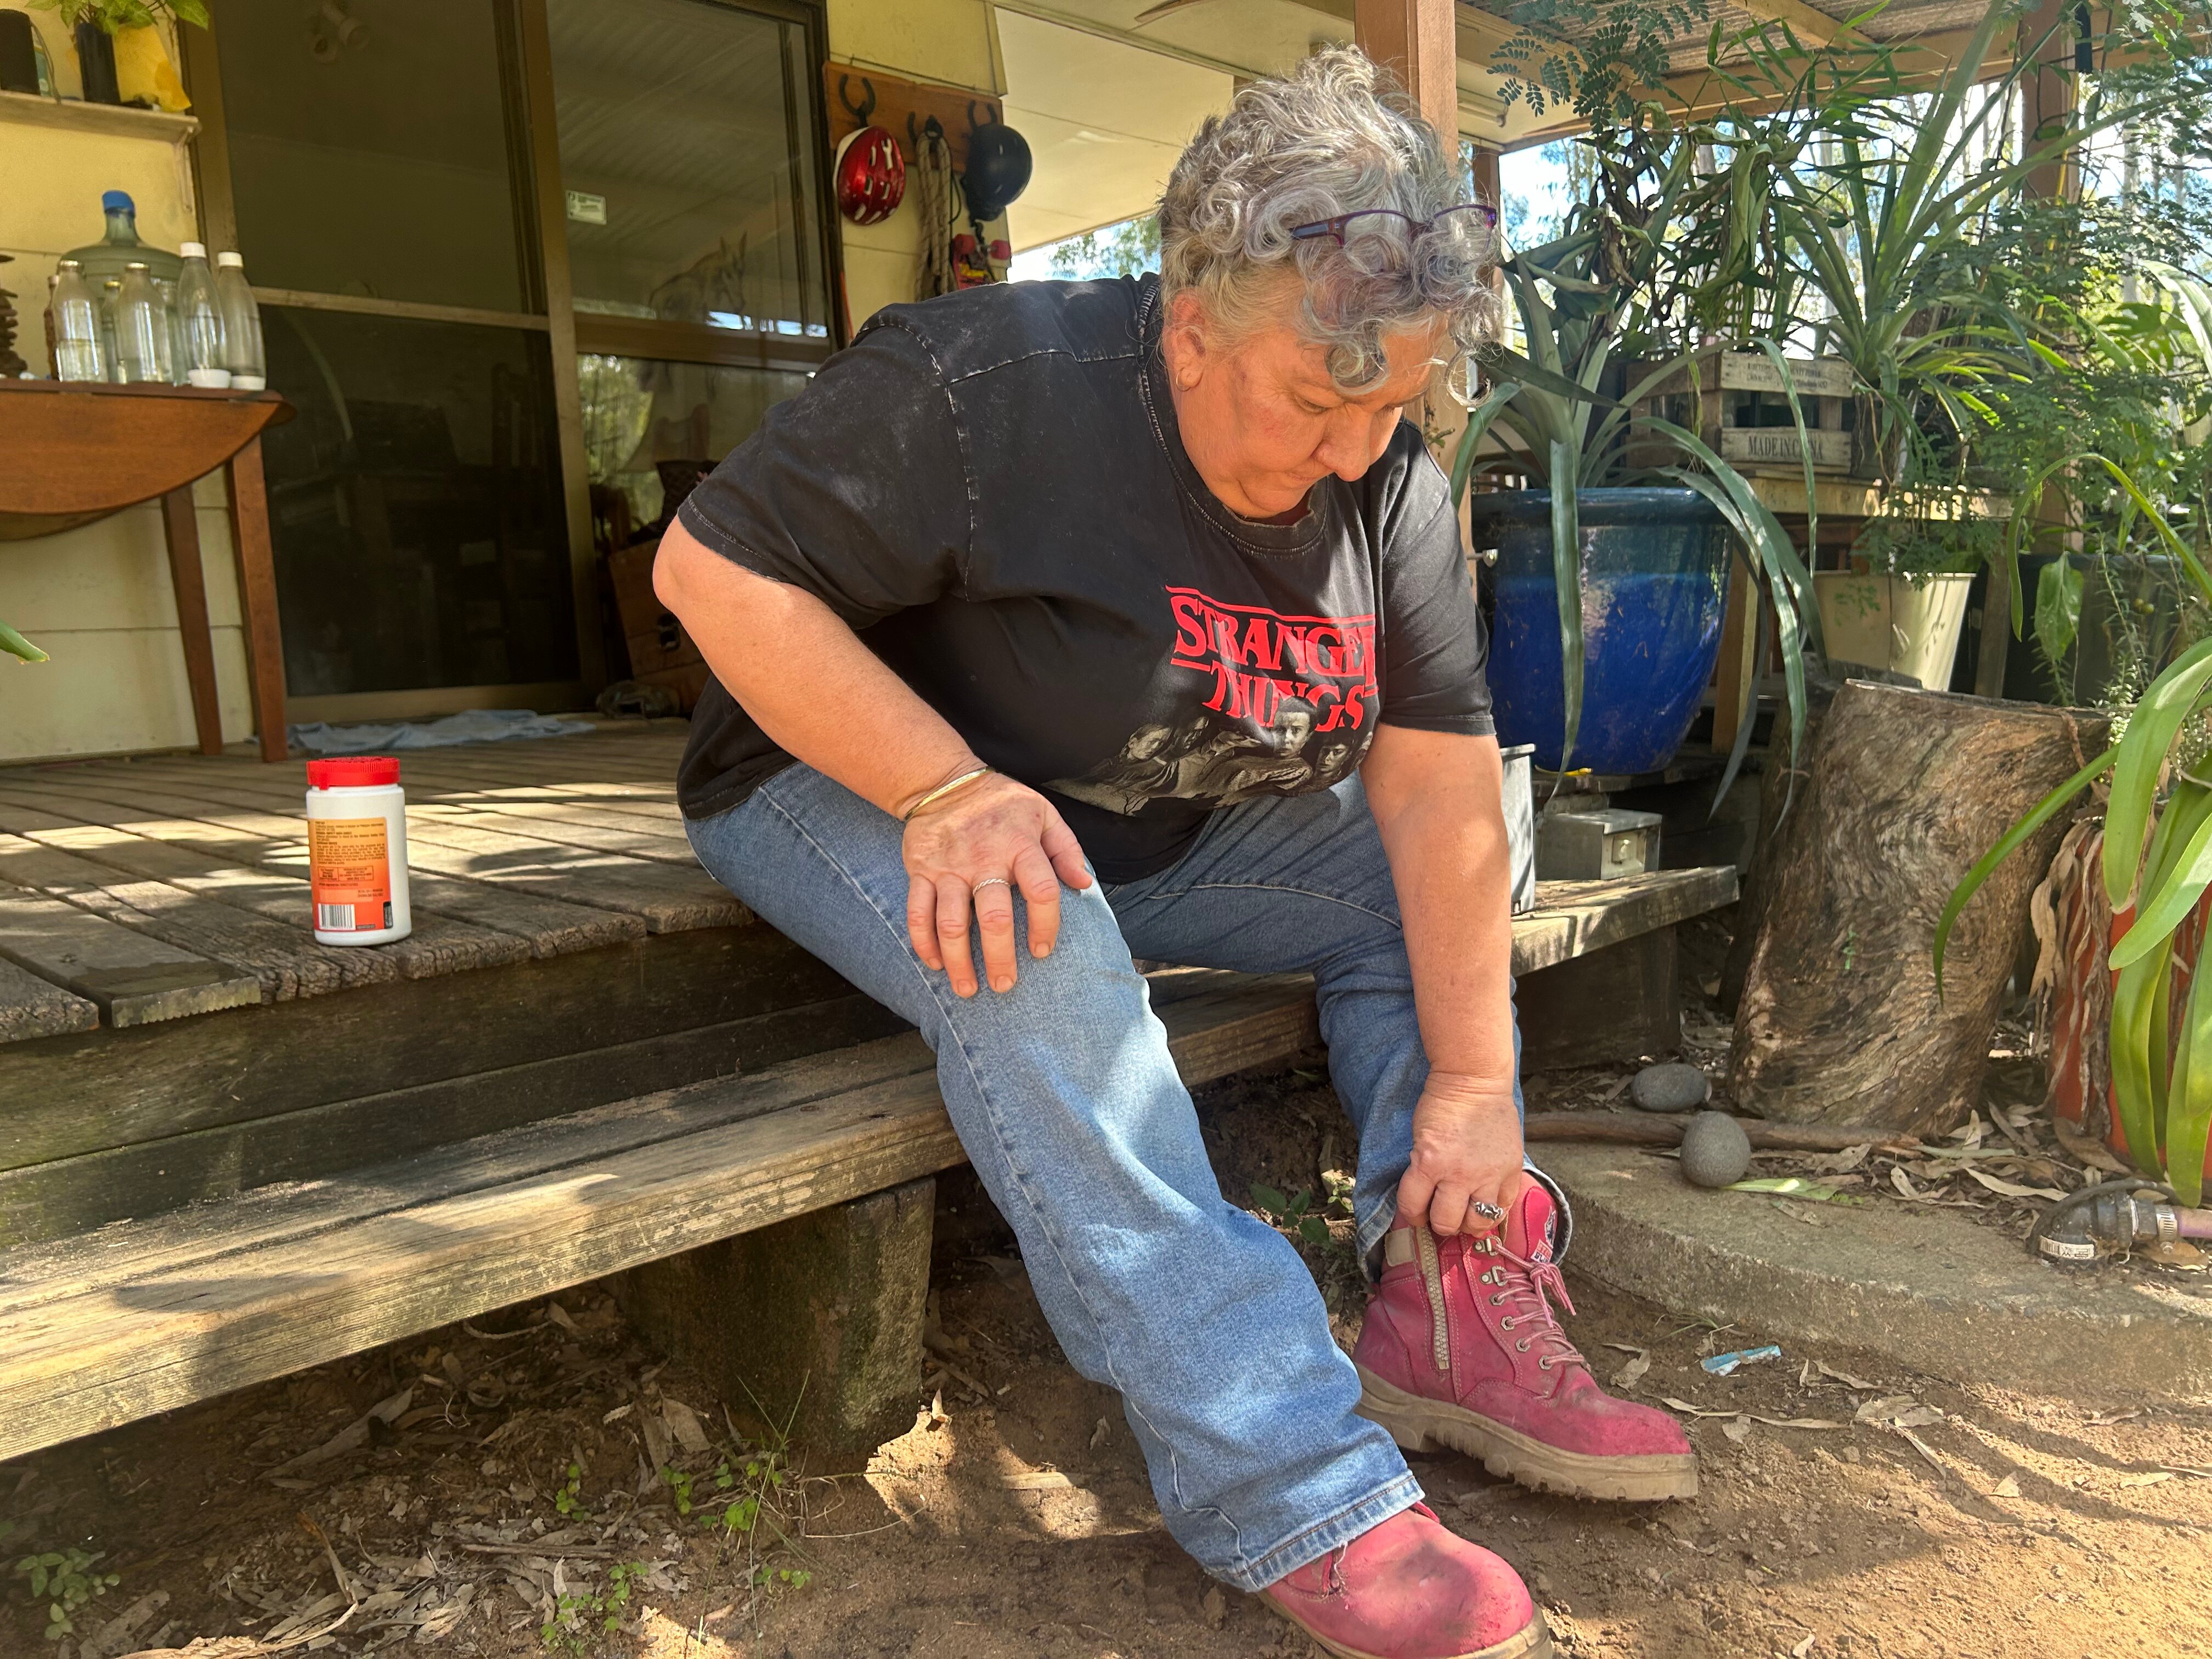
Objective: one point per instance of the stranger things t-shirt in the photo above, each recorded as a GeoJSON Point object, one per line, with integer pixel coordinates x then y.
{"type": "Point", "coordinates": [991, 489]}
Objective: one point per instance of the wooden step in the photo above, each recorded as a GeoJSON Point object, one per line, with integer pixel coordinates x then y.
{"type": "Point", "coordinates": [145, 1316]}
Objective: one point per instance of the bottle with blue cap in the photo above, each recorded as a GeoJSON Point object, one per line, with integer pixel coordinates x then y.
{"type": "Point", "coordinates": [115, 253]}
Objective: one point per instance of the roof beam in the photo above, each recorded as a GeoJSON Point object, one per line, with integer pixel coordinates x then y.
{"type": "Point", "coordinates": [1811, 28]}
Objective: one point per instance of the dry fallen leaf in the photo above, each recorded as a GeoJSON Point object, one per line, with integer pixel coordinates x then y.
{"type": "Point", "coordinates": [684, 1425]}
{"type": "Point", "coordinates": [1684, 1406]}
{"type": "Point", "coordinates": [2008, 1487]}
{"type": "Point", "coordinates": [1630, 1375]}
{"type": "Point", "coordinates": [2012, 1189]}
{"type": "Point", "coordinates": [1845, 1378]}
{"type": "Point", "coordinates": [1214, 1607]}
{"type": "Point", "coordinates": [2150, 1478]}
{"type": "Point", "coordinates": [1737, 1429]}
{"type": "Point", "coordinates": [1801, 1649]}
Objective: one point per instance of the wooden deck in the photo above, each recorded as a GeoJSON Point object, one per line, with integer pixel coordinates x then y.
{"type": "Point", "coordinates": [148, 890]}
{"type": "Point", "coordinates": [171, 1032]}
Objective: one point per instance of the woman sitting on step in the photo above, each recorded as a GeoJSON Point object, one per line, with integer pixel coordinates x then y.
{"type": "Point", "coordinates": [1130, 619]}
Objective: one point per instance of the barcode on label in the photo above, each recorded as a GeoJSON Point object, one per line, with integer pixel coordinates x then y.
{"type": "Point", "coordinates": [334, 918]}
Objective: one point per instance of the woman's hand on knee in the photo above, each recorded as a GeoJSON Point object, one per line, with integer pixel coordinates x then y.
{"type": "Point", "coordinates": [1467, 1151]}
{"type": "Point", "coordinates": [967, 855]}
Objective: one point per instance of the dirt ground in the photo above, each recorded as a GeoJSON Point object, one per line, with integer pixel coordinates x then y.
{"type": "Point", "coordinates": [537, 1482]}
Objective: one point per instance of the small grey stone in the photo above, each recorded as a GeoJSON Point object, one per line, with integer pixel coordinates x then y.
{"type": "Point", "coordinates": [1672, 1087]}
{"type": "Point", "coordinates": [1714, 1149]}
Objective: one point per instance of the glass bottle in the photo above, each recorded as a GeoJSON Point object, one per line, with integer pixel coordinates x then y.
{"type": "Point", "coordinates": [199, 323]}
{"type": "Point", "coordinates": [141, 330]}
{"type": "Point", "coordinates": [173, 337]}
{"type": "Point", "coordinates": [241, 325]}
{"type": "Point", "coordinates": [76, 345]}
{"type": "Point", "coordinates": [111, 358]}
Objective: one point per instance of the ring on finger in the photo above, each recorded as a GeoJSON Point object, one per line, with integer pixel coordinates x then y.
{"type": "Point", "coordinates": [1487, 1212]}
{"type": "Point", "coordinates": [989, 881]}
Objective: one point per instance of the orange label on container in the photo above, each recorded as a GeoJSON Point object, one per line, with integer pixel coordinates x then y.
{"type": "Point", "coordinates": [350, 872]}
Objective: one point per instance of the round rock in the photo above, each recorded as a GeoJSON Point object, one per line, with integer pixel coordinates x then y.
{"type": "Point", "coordinates": [1672, 1087]}
{"type": "Point", "coordinates": [1714, 1149]}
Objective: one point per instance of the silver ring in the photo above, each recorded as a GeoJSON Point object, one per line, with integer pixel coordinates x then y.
{"type": "Point", "coordinates": [1487, 1212]}
{"type": "Point", "coordinates": [988, 880]}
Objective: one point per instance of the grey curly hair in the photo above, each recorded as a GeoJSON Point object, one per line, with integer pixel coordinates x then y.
{"type": "Point", "coordinates": [1335, 135]}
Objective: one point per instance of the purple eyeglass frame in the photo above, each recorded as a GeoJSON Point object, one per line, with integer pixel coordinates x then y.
{"type": "Point", "coordinates": [1334, 227]}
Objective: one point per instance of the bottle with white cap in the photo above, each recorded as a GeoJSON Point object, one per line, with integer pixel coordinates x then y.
{"type": "Point", "coordinates": [199, 321]}
{"type": "Point", "coordinates": [241, 325]}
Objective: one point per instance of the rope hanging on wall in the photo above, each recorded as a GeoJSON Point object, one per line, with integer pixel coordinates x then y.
{"type": "Point", "coordinates": [934, 200]}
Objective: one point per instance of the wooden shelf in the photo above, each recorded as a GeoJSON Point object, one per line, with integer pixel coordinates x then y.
{"type": "Point", "coordinates": [1854, 498]}
{"type": "Point", "coordinates": [28, 109]}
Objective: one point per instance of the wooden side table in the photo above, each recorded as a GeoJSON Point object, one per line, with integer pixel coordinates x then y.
{"type": "Point", "coordinates": [78, 452]}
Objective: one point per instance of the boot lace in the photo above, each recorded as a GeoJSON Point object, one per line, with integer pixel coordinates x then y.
{"type": "Point", "coordinates": [1527, 1286]}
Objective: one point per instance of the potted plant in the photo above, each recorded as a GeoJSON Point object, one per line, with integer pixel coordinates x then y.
{"type": "Point", "coordinates": [1611, 583]}
{"type": "Point", "coordinates": [1902, 606]}
{"type": "Point", "coordinates": [119, 52]}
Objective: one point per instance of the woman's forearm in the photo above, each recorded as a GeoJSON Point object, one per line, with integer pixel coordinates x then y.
{"type": "Point", "coordinates": [1436, 800]}
{"type": "Point", "coordinates": [814, 687]}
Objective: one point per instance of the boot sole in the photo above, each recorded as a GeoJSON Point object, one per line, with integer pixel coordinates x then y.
{"type": "Point", "coordinates": [1420, 1426]}
{"type": "Point", "coordinates": [1533, 1640]}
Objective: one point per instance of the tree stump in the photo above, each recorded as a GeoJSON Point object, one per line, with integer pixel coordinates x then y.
{"type": "Point", "coordinates": [1839, 1021]}
{"type": "Point", "coordinates": [1781, 787]}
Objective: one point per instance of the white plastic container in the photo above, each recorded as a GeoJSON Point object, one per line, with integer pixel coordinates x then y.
{"type": "Point", "coordinates": [357, 850]}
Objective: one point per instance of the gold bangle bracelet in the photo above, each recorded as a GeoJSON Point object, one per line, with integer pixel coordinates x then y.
{"type": "Point", "coordinates": [945, 789]}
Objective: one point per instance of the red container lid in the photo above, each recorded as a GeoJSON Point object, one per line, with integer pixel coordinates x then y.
{"type": "Point", "coordinates": [353, 772]}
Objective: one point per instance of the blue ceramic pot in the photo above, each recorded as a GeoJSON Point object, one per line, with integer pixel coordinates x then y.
{"type": "Point", "coordinates": [1655, 583]}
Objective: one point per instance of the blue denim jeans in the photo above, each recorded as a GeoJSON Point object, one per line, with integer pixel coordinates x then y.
{"type": "Point", "coordinates": [1068, 1103]}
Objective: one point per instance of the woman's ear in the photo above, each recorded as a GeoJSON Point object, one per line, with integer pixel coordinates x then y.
{"type": "Point", "coordinates": [1183, 342]}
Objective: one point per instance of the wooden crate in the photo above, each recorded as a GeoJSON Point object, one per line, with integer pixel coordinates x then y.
{"type": "Point", "coordinates": [1737, 404]}
{"type": "Point", "coordinates": [660, 651]}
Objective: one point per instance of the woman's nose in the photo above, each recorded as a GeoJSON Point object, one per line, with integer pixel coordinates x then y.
{"type": "Point", "coordinates": [1354, 440]}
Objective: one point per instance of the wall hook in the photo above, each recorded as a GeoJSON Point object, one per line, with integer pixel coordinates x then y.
{"type": "Point", "coordinates": [861, 111]}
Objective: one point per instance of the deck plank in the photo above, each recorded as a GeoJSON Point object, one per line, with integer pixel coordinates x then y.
{"type": "Point", "coordinates": [76, 1367]}
{"type": "Point", "coordinates": [154, 1315]}
{"type": "Point", "coordinates": [246, 835]}
{"type": "Point", "coordinates": [667, 897]}
{"type": "Point", "coordinates": [437, 945]}
{"type": "Point", "coordinates": [131, 978]}
{"type": "Point", "coordinates": [32, 1006]}
{"type": "Point", "coordinates": [287, 962]}
{"type": "Point", "coordinates": [1574, 918]}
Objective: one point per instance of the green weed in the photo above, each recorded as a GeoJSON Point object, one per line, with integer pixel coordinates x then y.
{"type": "Point", "coordinates": [568, 1492]}
{"type": "Point", "coordinates": [65, 1581]}
{"type": "Point", "coordinates": [569, 1629]}
{"type": "Point", "coordinates": [1294, 1213]}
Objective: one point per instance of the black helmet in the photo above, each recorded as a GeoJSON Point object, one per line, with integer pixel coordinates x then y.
{"type": "Point", "coordinates": [997, 169]}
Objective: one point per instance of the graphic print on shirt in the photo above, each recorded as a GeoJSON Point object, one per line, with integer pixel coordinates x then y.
{"type": "Point", "coordinates": [1255, 703]}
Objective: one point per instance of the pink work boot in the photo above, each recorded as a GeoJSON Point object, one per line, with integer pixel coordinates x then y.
{"type": "Point", "coordinates": [1461, 1349]}
{"type": "Point", "coordinates": [1409, 1589]}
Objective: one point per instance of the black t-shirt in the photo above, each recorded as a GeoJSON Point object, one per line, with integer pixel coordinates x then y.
{"type": "Point", "coordinates": [991, 489]}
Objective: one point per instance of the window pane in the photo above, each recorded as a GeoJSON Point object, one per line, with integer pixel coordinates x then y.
{"type": "Point", "coordinates": [641, 416]}
{"type": "Point", "coordinates": [421, 537]}
{"type": "Point", "coordinates": [373, 162]}
{"type": "Point", "coordinates": [687, 146]}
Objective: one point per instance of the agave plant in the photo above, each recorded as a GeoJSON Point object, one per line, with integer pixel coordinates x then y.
{"type": "Point", "coordinates": [1582, 299]}
{"type": "Point", "coordinates": [2157, 860]}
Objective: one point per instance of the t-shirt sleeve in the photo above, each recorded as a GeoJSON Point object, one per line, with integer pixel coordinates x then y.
{"type": "Point", "coordinates": [854, 491]}
{"type": "Point", "coordinates": [1434, 649]}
